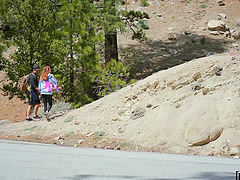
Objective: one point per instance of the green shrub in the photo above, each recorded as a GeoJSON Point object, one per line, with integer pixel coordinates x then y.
{"type": "Point", "coordinates": [69, 134]}
{"type": "Point", "coordinates": [99, 134]}
{"type": "Point", "coordinates": [142, 24]}
{"type": "Point", "coordinates": [144, 3]}
{"type": "Point", "coordinates": [68, 119]}
{"type": "Point", "coordinates": [56, 108]}
{"type": "Point", "coordinates": [112, 78]}
{"type": "Point", "coordinates": [30, 129]}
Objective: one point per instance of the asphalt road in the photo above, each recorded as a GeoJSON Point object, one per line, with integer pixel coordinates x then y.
{"type": "Point", "coordinates": [22, 160]}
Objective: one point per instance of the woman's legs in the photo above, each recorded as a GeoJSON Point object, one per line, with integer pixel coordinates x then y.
{"type": "Point", "coordinates": [47, 101]}
{"type": "Point", "coordinates": [44, 99]}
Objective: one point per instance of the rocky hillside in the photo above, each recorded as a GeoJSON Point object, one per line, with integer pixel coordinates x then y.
{"type": "Point", "coordinates": [188, 98]}
{"type": "Point", "coordinates": [191, 108]}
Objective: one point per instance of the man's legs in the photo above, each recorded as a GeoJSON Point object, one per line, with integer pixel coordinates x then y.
{"type": "Point", "coordinates": [29, 108]}
{"type": "Point", "coordinates": [36, 110]}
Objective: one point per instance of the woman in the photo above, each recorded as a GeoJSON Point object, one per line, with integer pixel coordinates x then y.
{"type": "Point", "coordinates": [46, 85]}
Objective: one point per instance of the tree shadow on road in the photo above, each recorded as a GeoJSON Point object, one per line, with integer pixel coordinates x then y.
{"type": "Point", "coordinates": [201, 176]}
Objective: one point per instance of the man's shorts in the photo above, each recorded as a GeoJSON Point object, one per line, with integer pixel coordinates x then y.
{"type": "Point", "coordinates": [34, 100]}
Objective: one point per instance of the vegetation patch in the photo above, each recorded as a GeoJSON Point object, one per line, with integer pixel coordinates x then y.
{"type": "Point", "coordinates": [69, 119]}
{"type": "Point", "coordinates": [69, 134]}
{"type": "Point", "coordinates": [30, 129]}
{"type": "Point", "coordinates": [99, 134]}
{"type": "Point", "coordinates": [121, 144]}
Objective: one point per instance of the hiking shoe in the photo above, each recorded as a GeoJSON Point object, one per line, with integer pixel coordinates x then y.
{"type": "Point", "coordinates": [37, 117]}
{"type": "Point", "coordinates": [29, 119]}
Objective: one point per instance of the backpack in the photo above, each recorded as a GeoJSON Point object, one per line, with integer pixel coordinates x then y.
{"type": "Point", "coordinates": [23, 83]}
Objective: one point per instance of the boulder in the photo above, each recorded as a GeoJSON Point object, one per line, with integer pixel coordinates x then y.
{"type": "Point", "coordinates": [217, 25]}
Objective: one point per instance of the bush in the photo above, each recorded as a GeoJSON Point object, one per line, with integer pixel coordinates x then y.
{"type": "Point", "coordinates": [56, 108]}
{"type": "Point", "coordinates": [144, 3]}
{"type": "Point", "coordinates": [112, 78]}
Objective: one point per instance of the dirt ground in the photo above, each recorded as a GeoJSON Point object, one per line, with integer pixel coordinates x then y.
{"type": "Point", "coordinates": [168, 19]}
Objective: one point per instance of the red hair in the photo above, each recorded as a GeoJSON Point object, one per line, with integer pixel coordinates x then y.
{"type": "Point", "coordinates": [44, 75]}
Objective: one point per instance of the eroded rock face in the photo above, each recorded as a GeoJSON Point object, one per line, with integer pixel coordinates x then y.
{"type": "Point", "coordinates": [198, 136]}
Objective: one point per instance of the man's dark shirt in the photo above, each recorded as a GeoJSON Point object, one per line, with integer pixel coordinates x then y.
{"type": "Point", "coordinates": [33, 81]}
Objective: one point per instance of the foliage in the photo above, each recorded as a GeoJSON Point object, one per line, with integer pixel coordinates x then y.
{"type": "Point", "coordinates": [30, 26]}
{"type": "Point", "coordinates": [135, 21]}
{"type": "Point", "coordinates": [112, 78]}
{"type": "Point", "coordinates": [68, 119]}
{"type": "Point", "coordinates": [30, 129]}
{"type": "Point", "coordinates": [78, 25]}
{"type": "Point", "coordinates": [142, 24]}
{"type": "Point", "coordinates": [64, 34]}
{"type": "Point", "coordinates": [57, 108]}
{"type": "Point", "coordinates": [69, 134]}
{"type": "Point", "coordinates": [99, 134]}
{"type": "Point", "coordinates": [144, 3]}
{"type": "Point", "coordinates": [130, 59]}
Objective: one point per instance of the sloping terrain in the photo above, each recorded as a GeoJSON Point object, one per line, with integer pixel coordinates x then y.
{"type": "Point", "coordinates": [190, 108]}
{"type": "Point", "coordinates": [190, 104]}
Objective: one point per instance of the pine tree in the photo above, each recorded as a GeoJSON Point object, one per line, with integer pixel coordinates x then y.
{"type": "Point", "coordinates": [29, 29]}
{"type": "Point", "coordinates": [78, 25]}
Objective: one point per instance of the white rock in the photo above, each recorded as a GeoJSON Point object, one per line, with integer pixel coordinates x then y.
{"type": "Point", "coordinates": [234, 151]}
{"type": "Point", "coordinates": [216, 25]}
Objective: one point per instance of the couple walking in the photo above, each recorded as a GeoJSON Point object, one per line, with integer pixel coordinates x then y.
{"type": "Point", "coordinates": [45, 87]}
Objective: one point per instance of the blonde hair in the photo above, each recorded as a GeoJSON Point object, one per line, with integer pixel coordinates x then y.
{"type": "Point", "coordinates": [44, 75]}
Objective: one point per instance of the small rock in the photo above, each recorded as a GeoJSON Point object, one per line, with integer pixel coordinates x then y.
{"type": "Point", "coordinates": [149, 105]}
{"type": "Point", "coordinates": [59, 138]}
{"type": "Point", "coordinates": [234, 151]}
{"type": "Point", "coordinates": [196, 86]}
{"type": "Point", "coordinates": [210, 53]}
{"type": "Point", "coordinates": [205, 91]}
{"type": "Point", "coordinates": [215, 33]}
{"type": "Point", "coordinates": [221, 16]}
{"type": "Point", "coordinates": [235, 47]}
{"type": "Point", "coordinates": [80, 141]}
{"type": "Point", "coordinates": [236, 35]}
{"type": "Point", "coordinates": [5, 121]}
{"type": "Point", "coordinates": [118, 148]}
{"type": "Point", "coordinates": [109, 147]}
{"type": "Point", "coordinates": [218, 71]}
{"type": "Point", "coordinates": [177, 105]}
{"type": "Point", "coordinates": [76, 123]}
{"type": "Point", "coordinates": [197, 76]}
{"type": "Point", "coordinates": [217, 25]}
{"type": "Point", "coordinates": [116, 119]}
{"type": "Point", "coordinates": [90, 134]}
{"type": "Point", "coordinates": [172, 51]}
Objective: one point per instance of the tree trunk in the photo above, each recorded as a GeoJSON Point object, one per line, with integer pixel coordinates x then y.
{"type": "Point", "coordinates": [111, 49]}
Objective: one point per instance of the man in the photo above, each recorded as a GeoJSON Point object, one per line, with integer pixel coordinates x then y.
{"type": "Point", "coordinates": [32, 94]}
